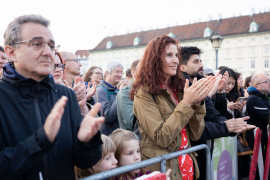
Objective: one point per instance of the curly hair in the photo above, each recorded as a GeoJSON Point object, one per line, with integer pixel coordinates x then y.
{"type": "Point", "coordinates": [151, 67]}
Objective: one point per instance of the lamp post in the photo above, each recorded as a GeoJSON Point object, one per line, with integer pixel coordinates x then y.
{"type": "Point", "coordinates": [216, 41]}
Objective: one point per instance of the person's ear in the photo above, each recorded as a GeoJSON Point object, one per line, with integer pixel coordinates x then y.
{"type": "Point", "coordinates": [183, 68]}
{"type": "Point", "coordinates": [11, 54]}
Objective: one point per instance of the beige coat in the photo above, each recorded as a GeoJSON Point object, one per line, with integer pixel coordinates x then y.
{"type": "Point", "coordinates": [160, 123]}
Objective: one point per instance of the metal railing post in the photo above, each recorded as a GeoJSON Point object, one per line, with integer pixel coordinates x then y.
{"type": "Point", "coordinates": [160, 159]}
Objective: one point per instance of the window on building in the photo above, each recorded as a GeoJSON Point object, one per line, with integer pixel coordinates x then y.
{"type": "Point", "coordinates": [227, 42]}
{"type": "Point", "coordinates": [252, 63]}
{"type": "Point", "coordinates": [252, 73]}
{"type": "Point", "coordinates": [205, 53]}
{"type": "Point", "coordinates": [252, 51]}
{"type": "Point", "coordinates": [127, 60]}
{"type": "Point", "coordinates": [228, 52]}
{"type": "Point", "coordinates": [206, 64]}
{"type": "Point", "coordinates": [228, 63]}
{"type": "Point", "coordinates": [266, 38]}
{"type": "Point", "coordinates": [240, 52]}
{"type": "Point", "coordinates": [127, 52]}
{"type": "Point", "coordinates": [252, 39]}
{"type": "Point", "coordinates": [240, 64]}
{"type": "Point", "coordinates": [266, 50]}
{"type": "Point", "coordinates": [266, 63]}
{"type": "Point", "coordinates": [206, 44]}
{"type": "Point", "coordinates": [240, 40]}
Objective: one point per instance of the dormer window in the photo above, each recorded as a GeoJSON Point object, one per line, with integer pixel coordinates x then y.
{"type": "Point", "coordinates": [109, 45]}
{"type": "Point", "coordinates": [253, 27]}
{"type": "Point", "coordinates": [136, 41]}
{"type": "Point", "coordinates": [207, 32]}
{"type": "Point", "coordinates": [171, 35]}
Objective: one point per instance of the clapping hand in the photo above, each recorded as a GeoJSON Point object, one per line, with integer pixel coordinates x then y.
{"type": "Point", "coordinates": [198, 91]}
{"type": "Point", "coordinates": [88, 128]}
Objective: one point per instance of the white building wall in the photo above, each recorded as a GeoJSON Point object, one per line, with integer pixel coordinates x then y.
{"type": "Point", "coordinates": [237, 52]}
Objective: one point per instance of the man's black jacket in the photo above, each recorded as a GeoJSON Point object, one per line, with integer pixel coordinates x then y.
{"type": "Point", "coordinates": [215, 127]}
{"type": "Point", "coordinates": [258, 108]}
{"type": "Point", "coordinates": [25, 151]}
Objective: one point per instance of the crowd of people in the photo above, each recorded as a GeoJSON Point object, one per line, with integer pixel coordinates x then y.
{"type": "Point", "coordinates": [55, 124]}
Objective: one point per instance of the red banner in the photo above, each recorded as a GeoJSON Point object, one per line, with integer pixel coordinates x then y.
{"type": "Point", "coordinates": [254, 161]}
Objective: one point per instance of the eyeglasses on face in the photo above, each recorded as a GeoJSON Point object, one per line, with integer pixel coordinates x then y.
{"type": "Point", "coordinates": [268, 82]}
{"type": "Point", "coordinates": [98, 73]}
{"type": "Point", "coordinates": [38, 43]}
{"type": "Point", "coordinates": [210, 74]}
{"type": "Point", "coordinates": [77, 60]}
{"type": "Point", "coordinates": [60, 66]}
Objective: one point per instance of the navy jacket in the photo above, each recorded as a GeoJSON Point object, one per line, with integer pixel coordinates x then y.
{"type": "Point", "coordinates": [108, 107]}
{"type": "Point", "coordinates": [25, 151]}
{"type": "Point", "coordinates": [258, 108]}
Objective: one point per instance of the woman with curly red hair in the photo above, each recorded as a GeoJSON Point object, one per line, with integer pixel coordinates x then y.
{"type": "Point", "coordinates": [169, 112]}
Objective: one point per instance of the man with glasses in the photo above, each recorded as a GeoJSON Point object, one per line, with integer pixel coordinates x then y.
{"type": "Point", "coordinates": [258, 108]}
{"type": "Point", "coordinates": [72, 68]}
{"type": "Point", "coordinates": [106, 95]}
{"type": "Point", "coordinates": [43, 134]}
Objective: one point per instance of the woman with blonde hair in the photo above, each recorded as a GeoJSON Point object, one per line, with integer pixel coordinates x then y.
{"type": "Point", "coordinates": [169, 112]}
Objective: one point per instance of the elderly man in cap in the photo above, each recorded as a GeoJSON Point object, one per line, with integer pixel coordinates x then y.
{"type": "Point", "coordinates": [43, 134]}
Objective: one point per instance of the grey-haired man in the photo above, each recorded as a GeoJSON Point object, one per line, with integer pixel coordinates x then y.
{"type": "Point", "coordinates": [42, 130]}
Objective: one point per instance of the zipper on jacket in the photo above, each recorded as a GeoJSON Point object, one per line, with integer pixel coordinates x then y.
{"type": "Point", "coordinates": [45, 157]}
{"type": "Point", "coordinates": [37, 106]}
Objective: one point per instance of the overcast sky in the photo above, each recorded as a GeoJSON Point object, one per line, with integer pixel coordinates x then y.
{"type": "Point", "coordinates": [79, 24]}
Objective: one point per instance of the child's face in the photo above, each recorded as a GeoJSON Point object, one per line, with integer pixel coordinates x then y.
{"type": "Point", "coordinates": [107, 163]}
{"type": "Point", "coordinates": [131, 155]}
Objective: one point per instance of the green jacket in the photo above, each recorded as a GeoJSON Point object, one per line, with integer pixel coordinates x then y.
{"type": "Point", "coordinates": [125, 108]}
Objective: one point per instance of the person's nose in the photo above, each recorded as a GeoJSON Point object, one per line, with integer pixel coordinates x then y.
{"type": "Point", "coordinates": [137, 156]}
{"type": "Point", "coordinates": [79, 64]}
{"type": "Point", "coordinates": [201, 65]}
{"type": "Point", "coordinates": [47, 51]}
{"type": "Point", "coordinates": [114, 161]}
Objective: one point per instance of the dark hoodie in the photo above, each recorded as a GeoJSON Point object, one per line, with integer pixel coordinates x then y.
{"type": "Point", "coordinates": [258, 108]}
{"type": "Point", "coordinates": [25, 151]}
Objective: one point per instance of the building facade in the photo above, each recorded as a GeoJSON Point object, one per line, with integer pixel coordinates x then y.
{"type": "Point", "coordinates": [245, 48]}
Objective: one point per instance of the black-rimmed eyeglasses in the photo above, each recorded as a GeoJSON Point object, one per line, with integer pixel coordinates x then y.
{"type": "Point", "coordinates": [268, 82]}
{"type": "Point", "coordinates": [38, 43]}
{"type": "Point", "coordinates": [60, 66]}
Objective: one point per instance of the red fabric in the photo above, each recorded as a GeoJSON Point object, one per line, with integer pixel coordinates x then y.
{"type": "Point", "coordinates": [185, 161]}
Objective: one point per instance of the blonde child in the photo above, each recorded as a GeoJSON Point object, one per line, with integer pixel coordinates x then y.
{"type": "Point", "coordinates": [107, 162]}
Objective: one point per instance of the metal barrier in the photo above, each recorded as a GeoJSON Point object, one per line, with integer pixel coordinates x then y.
{"type": "Point", "coordinates": [160, 159]}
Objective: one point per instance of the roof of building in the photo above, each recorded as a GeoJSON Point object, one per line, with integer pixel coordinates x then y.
{"type": "Point", "coordinates": [82, 53]}
{"type": "Point", "coordinates": [226, 27]}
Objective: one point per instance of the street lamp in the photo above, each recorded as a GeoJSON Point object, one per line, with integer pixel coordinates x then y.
{"type": "Point", "coordinates": [216, 41]}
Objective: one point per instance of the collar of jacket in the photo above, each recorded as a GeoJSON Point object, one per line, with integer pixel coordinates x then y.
{"type": "Point", "coordinates": [253, 90]}
{"type": "Point", "coordinates": [104, 84]}
{"type": "Point", "coordinates": [11, 76]}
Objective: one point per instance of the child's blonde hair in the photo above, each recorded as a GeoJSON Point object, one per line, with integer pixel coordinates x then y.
{"type": "Point", "coordinates": [119, 136]}
{"type": "Point", "coordinates": [108, 146]}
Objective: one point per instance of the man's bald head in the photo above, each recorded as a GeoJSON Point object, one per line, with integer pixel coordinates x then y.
{"type": "Point", "coordinates": [65, 54]}
{"type": "Point", "coordinates": [256, 78]}
{"type": "Point", "coordinates": [72, 64]}
{"type": "Point", "coordinates": [260, 82]}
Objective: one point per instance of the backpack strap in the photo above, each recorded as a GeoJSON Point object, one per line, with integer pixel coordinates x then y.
{"type": "Point", "coordinates": [109, 93]}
